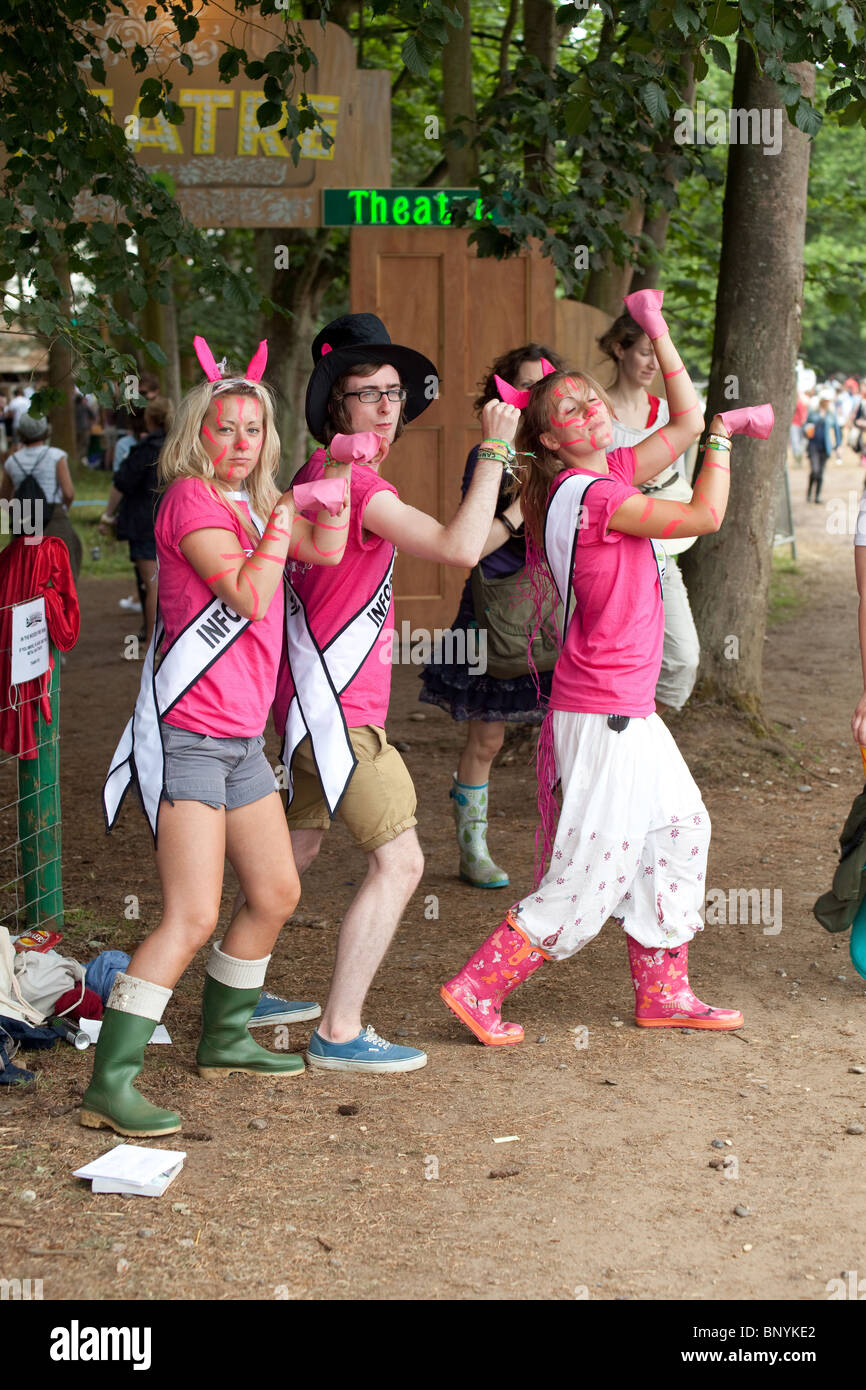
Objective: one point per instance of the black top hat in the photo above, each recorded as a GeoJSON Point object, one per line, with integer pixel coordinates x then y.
{"type": "Point", "coordinates": [348, 341]}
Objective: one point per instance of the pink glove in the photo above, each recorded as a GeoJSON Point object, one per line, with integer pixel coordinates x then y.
{"type": "Point", "coordinates": [645, 308]}
{"type": "Point", "coordinates": [324, 492]}
{"type": "Point", "coordinates": [754, 420]}
{"type": "Point", "coordinates": [358, 448]}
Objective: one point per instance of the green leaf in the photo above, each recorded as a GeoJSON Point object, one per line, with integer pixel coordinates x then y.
{"type": "Point", "coordinates": [723, 19]}
{"type": "Point", "coordinates": [578, 115]}
{"type": "Point", "coordinates": [656, 102]}
{"type": "Point", "coordinates": [156, 353]}
{"type": "Point", "coordinates": [807, 118]}
{"type": "Point", "coordinates": [269, 114]}
{"type": "Point", "coordinates": [412, 57]}
{"type": "Point", "coordinates": [721, 56]}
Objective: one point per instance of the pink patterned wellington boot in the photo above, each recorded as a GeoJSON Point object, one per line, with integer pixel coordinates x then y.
{"type": "Point", "coordinates": [476, 992]}
{"type": "Point", "coordinates": [662, 995]}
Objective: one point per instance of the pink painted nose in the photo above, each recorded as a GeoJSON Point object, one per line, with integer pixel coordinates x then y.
{"type": "Point", "coordinates": [243, 444]}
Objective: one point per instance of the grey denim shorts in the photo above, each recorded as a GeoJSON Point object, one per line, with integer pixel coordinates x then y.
{"type": "Point", "coordinates": [228, 772]}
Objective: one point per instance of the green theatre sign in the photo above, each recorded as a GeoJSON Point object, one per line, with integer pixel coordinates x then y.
{"type": "Point", "coordinates": [397, 207]}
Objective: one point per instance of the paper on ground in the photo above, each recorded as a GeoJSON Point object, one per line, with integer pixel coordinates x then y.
{"type": "Point", "coordinates": [131, 1163]}
{"type": "Point", "coordinates": [91, 1027]}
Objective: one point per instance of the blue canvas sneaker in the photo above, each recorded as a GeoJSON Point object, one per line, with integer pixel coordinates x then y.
{"type": "Point", "coordinates": [270, 1009]}
{"type": "Point", "coordinates": [367, 1052]}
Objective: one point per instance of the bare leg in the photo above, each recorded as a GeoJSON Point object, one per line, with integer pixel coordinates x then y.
{"type": "Point", "coordinates": [259, 849]}
{"type": "Point", "coordinates": [190, 860]}
{"type": "Point", "coordinates": [393, 873]}
{"type": "Point", "coordinates": [483, 741]}
{"type": "Point", "coordinates": [147, 572]}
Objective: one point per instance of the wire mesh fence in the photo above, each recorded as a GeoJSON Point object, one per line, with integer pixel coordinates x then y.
{"type": "Point", "coordinates": [30, 823]}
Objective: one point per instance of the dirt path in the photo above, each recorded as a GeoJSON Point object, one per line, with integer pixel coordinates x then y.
{"type": "Point", "coordinates": [612, 1194]}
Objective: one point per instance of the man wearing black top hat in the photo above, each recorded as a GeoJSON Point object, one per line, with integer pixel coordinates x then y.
{"type": "Point", "coordinates": [333, 697]}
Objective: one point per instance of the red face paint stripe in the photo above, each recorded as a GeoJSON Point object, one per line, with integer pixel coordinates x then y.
{"type": "Point", "coordinates": [648, 510]}
{"type": "Point", "coordinates": [323, 526]}
{"type": "Point", "coordinates": [670, 528]}
{"type": "Point", "coordinates": [668, 375]}
{"type": "Point", "coordinates": [671, 450]}
{"type": "Point", "coordinates": [677, 413]}
{"type": "Point", "coordinates": [326, 554]}
{"type": "Point", "coordinates": [209, 578]}
{"type": "Point", "coordinates": [709, 464]}
{"type": "Point", "coordinates": [261, 555]}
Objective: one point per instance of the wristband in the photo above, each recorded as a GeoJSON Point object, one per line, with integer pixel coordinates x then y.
{"type": "Point", "coordinates": [109, 520]}
{"type": "Point", "coordinates": [721, 441]}
{"type": "Point", "coordinates": [515, 530]}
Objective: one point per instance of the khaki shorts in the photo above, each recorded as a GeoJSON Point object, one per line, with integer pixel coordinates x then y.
{"type": "Point", "coordinates": [379, 803]}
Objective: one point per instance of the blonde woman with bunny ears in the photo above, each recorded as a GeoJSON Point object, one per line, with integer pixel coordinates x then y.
{"type": "Point", "coordinates": [194, 748]}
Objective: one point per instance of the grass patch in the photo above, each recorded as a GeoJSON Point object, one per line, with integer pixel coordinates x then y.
{"type": "Point", "coordinates": [787, 590]}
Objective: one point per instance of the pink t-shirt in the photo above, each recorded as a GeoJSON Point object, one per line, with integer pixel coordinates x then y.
{"type": "Point", "coordinates": [613, 649]}
{"type": "Point", "coordinates": [332, 595]}
{"type": "Point", "coordinates": [233, 697]}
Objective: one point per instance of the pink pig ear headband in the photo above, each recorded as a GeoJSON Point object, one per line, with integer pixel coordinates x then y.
{"type": "Point", "coordinates": [213, 370]}
{"type": "Point", "coordinates": [511, 396]}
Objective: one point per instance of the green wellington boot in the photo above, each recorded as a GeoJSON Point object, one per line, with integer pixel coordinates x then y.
{"type": "Point", "coordinates": [470, 815]}
{"type": "Point", "coordinates": [111, 1101]}
{"type": "Point", "coordinates": [226, 1009]}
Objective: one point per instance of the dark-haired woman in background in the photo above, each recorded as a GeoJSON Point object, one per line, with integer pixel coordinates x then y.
{"type": "Point", "coordinates": [482, 702]}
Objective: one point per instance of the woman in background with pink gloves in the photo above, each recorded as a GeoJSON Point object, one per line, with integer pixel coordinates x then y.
{"type": "Point", "coordinates": [633, 832]}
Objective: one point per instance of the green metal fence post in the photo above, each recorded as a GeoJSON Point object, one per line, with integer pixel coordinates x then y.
{"type": "Point", "coordinates": [39, 816]}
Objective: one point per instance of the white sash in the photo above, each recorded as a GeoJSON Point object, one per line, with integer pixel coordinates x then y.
{"type": "Point", "coordinates": [201, 643]}
{"type": "Point", "coordinates": [320, 676]}
{"type": "Point", "coordinates": [561, 531]}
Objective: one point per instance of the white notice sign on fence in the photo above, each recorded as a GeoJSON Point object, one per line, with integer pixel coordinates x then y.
{"type": "Point", "coordinates": [29, 640]}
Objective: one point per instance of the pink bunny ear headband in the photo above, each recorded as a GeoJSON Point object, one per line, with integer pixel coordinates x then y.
{"type": "Point", "coordinates": [511, 396]}
{"type": "Point", "coordinates": [213, 372]}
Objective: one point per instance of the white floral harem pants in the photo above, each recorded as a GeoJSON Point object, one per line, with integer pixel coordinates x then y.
{"type": "Point", "coordinates": [632, 839]}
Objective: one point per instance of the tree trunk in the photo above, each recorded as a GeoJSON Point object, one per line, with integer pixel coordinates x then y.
{"type": "Point", "coordinates": [299, 288]}
{"type": "Point", "coordinates": [541, 39]}
{"type": "Point", "coordinates": [458, 99]}
{"type": "Point", "coordinates": [60, 376]}
{"type": "Point", "coordinates": [757, 333]}
{"type": "Point", "coordinates": [170, 347]}
{"type": "Point", "coordinates": [605, 287]}
{"type": "Point", "coordinates": [656, 226]}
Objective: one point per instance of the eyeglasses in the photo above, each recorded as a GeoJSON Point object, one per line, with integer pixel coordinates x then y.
{"type": "Point", "coordinates": [370, 395]}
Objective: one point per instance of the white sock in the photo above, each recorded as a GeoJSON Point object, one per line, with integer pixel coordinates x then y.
{"type": "Point", "coordinates": [237, 974]}
{"type": "Point", "coordinates": [131, 995]}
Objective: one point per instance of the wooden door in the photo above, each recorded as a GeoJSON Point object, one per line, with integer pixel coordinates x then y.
{"type": "Point", "coordinates": [434, 294]}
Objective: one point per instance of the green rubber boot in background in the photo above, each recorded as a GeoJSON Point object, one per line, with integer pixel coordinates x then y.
{"type": "Point", "coordinates": [470, 815]}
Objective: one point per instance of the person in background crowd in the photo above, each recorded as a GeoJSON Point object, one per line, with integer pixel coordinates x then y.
{"type": "Point", "coordinates": [797, 437]}
{"type": "Point", "coordinates": [83, 425]}
{"type": "Point", "coordinates": [821, 433]}
{"type": "Point", "coordinates": [858, 421]}
{"type": "Point", "coordinates": [136, 481]}
{"type": "Point", "coordinates": [482, 702]}
{"type": "Point", "coordinates": [134, 433]}
{"type": "Point", "coordinates": [637, 415]}
{"type": "Point", "coordinates": [49, 467]}
{"type": "Point", "coordinates": [17, 406]}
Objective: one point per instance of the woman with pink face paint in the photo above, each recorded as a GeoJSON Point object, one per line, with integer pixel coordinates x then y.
{"type": "Point", "coordinates": [194, 748]}
{"type": "Point", "coordinates": [633, 832]}
{"type": "Point", "coordinates": [485, 703]}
